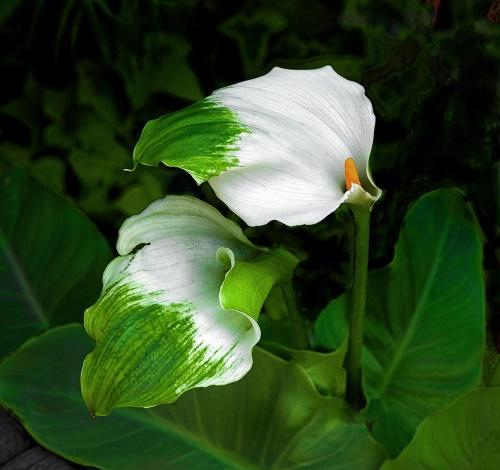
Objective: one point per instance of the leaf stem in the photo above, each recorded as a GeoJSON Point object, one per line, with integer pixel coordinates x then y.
{"type": "Point", "coordinates": [354, 394]}
{"type": "Point", "coordinates": [298, 325]}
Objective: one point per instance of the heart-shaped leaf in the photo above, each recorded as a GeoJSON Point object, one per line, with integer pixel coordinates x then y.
{"type": "Point", "coordinates": [273, 418]}
{"type": "Point", "coordinates": [424, 330]}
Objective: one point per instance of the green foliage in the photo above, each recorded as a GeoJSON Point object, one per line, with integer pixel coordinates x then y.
{"type": "Point", "coordinates": [462, 436]}
{"type": "Point", "coordinates": [252, 33]}
{"type": "Point", "coordinates": [273, 418]}
{"type": "Point", "coordinates": [51, 260]}
{"type": "Point", "coordinates": [325, 370]}
{"type": "Point", "coordinates": [491, 369]}
{"type": "Point", "coordinates": [80, 80]}
{"type": "Point", "coordinates": [424, 332]}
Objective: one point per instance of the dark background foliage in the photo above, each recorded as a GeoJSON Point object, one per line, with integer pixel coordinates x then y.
{"type": "Point", "coordinates": [81, 77]}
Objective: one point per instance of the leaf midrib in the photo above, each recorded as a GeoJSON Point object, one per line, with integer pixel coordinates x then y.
{"type": "Point", "coordinates": [19, 274]}
{"type": "Point", "coordinates": [410, 331]}
{"type": "Point", "coordinates": [219, 453]}
{"type": "Point", "coordinates": [166, 426]}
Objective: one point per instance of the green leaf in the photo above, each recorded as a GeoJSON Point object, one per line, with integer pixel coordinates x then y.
{"type": "Point", "coordinates": [491, 369]}
{"type": "Point", "coordinates": [253, 33]}
{"type": "Point", "coordinates": [50, 171]}
{"type": "Point", "coordinates": [51, 259]}
{"type": "Point", "coordinates": [331, 326]}
{"type": "Point", "coordinates": [273, 418]}
{"type": "Point", "coordinates": [162, 67]}
{"type": "Point", "coordinates": [137, 196]}
{"type": "Point", "coordinates": [463, 436]}
{"type": "Point", "coordinates": [169, 69]}
{"type": "Point", "coordinates": [101, 158]}
{"type": "Point", "coordinates": [424, 330]}
{"type": "Point", "coordinates": [325, 370]}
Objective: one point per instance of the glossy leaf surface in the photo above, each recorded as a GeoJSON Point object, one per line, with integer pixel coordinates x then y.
{"type": "Point", "coordinates": [273, 418]}
{"type": "Point", "coordinates": [424, 330]}
{"type": "Point", "coordinates": [51, 260]}
{"type": "Point", "coordinates": [463, 436]}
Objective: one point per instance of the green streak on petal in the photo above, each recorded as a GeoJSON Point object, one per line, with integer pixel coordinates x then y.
{"type": "Point", "coordinates": [248, 283]}
{"type": "Point", "coordinates": [201, 139]}
{"type": "Point", "coordinates": [145, 351]}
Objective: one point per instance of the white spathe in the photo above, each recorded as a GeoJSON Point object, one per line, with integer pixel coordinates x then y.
{"type": "Point", "coordinates": [302, 126]}
{"type": "Point", "coordinates": [183, 235]}
{"type": "Point", "coordinates": [179, 238]}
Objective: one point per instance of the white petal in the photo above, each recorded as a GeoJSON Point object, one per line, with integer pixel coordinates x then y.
{"type": "Point", "coordinates": [302, 125]}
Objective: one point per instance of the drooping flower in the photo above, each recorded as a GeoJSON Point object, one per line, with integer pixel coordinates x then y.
{"type": "Point", "coordinates": [178, 308]}
{"type": "Point", "coordinates": [274, 147]}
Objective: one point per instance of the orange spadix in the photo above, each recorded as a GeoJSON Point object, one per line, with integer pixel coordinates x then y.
{"type": "Point", "coordinates": [351, 173]}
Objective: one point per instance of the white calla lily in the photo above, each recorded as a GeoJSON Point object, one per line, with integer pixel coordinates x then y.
{"type": "Point", "coordinates": [274, 147]}
{"type": "Point", "coordinates": [177, 310]}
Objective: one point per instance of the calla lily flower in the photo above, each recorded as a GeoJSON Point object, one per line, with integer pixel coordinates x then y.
{"type": "Point", "coordinates": [178, 308]}
{"type": "Point", "coordinates": [277, 147]}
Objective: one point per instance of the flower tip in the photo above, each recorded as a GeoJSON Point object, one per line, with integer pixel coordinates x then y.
{"type": "Point", "coordinates": [351, 173]}
{"type": "Point", "coordinates": [130, 170]}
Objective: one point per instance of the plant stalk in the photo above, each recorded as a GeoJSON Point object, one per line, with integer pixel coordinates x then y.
{"type": "Point", "coordinates": [298, 325]}
{"type": "Point", "coordinates": [354, 392]}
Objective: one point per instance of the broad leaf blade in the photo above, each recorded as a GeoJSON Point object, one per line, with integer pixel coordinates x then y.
{"type": "Point", "coordinates": [425, 336]}
{"type": "Point", "coordinates": [273, 418]}
{"type": "Point", "coordinates": [424, 331]}
{"type": "Point", "coordinates": [54, 413]}
{"type": "Point", "coordinates": [331, 327]}
{"type": "Point", "coordinates": [462, 436]}
{"type": "Point", "coordinates": [51, 260]}
{"type": "Point", "coordinates": [325, 370]}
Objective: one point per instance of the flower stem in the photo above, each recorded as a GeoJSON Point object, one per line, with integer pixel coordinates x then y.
{"type": "Point", "coordinates": [298, 325]}
{"type": "Point", "coordinates": [354, 393]}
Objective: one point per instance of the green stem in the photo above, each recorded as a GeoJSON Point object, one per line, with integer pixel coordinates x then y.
{"type": "Point", "coordinates": [299, 326]}
{"type": "Point", "coordinates": [354, 393]}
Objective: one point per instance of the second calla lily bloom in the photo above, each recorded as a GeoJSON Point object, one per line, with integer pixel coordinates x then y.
{"type": "Point", "coordinates": [274, 147]}
{"type": "Point", "coordinates": [178, 308]}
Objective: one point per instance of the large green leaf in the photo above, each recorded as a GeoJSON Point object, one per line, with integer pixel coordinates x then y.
{"type": "Point", "coordinates": [463, 436]}
{"type": "Point", "coordinates": [424, 333]}
{"type": "Point", "coordinates": [325, 370]}
{"type": "Point", "coordinates": [273, 418]}
{"type": "Point", "coordinates": [51, 260]}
